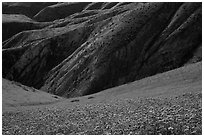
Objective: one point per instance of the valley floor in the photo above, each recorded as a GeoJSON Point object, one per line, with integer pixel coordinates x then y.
{"type": "Point", "coordinates": [167, 103]}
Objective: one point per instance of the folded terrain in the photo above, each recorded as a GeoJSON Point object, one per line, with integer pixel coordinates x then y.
{"type": "Point", "coordinates": [102, 45]}
{"type": "Point", "coordinates": [15, 23]}
{"type": "Point", "coordinates": [26, 8]}
{"type": "Point", "coordinates": [59, 11]}
{"type": "Point", "coordinates": [101, 68]}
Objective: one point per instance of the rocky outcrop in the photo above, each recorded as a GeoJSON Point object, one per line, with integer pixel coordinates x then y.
{"type": "Point", "coordinates": [84, 53]}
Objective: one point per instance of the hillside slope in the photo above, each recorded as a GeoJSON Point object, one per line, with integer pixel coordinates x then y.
{"type": "Point", "coordinates": [187, 79]}
{"type": "Point", "coordinates": [15, 23]}
{"type": "Point", "coordinates": [167, 103]}
{"type": "Point", "coordinates": [107, 68]}
{"type": "Point", "coordinates": [85, 53]}
{"type": "Point", "coordinates": [26, 8]}
{"type": "Point", "coordinates": [15, 94]}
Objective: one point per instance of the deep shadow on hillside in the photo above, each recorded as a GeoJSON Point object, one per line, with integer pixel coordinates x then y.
{"type": "Point", "coordinates": [81, 52]}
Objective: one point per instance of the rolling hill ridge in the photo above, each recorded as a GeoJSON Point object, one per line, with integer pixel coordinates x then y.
{"type": "Point", "coordinates": [85, 51]}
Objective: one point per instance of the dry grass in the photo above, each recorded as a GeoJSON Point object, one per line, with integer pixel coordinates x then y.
{"type": "Point", "coordinates": [177, 115]}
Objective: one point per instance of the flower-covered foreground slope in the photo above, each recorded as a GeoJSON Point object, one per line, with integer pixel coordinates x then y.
{"type": "Point", "coordinates": [178, 115]}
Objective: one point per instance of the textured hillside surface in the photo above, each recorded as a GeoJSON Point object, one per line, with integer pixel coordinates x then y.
{"type": "Point", "coordinates": [15, 23]}
{"type": "Point", "coordinates": [167, 103]}
{"type": "Point", "coordinates": [26, 8]}
{"type": "Point", "coordinates": [59, 11]}
{"type": "Point", "coordinates": [101, 45]}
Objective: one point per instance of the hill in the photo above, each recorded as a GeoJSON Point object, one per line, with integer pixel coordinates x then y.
{"type": "Point", "coordinates": [102, 68]}
{"type": "Point", "coordinates": [15, 94]}
{"type": "Point", "coordinates": [77, 56]}
{"type": "Point", "coordinates": [167, 103]}
{"type": "Point", "coordinates": [26, 8]}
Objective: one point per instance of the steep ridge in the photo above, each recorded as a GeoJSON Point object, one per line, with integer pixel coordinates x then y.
{"type": "Point", "coordinates": [94, 6]}
{"type": "Point", "coordinates": [63, 40]}
{"type": "Point", "coordinates": [109, 5]}
{"type": "Point", "coordinates": [15, 23]}
{"type": "Point", "coordinates": [108, 60]}
{"type": "Point", "coordinates": [90, 19]}
{"type": "Point", "coordinates": [84, 54]}
{"type": "Point", "coordinates": [60, 10]}
{"type": "Point", "coordinates": [26, 8]}
{"type": "Point", "coordinates": [65, 9]}
{"type": "Point", "coordinates": [33, 60]}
